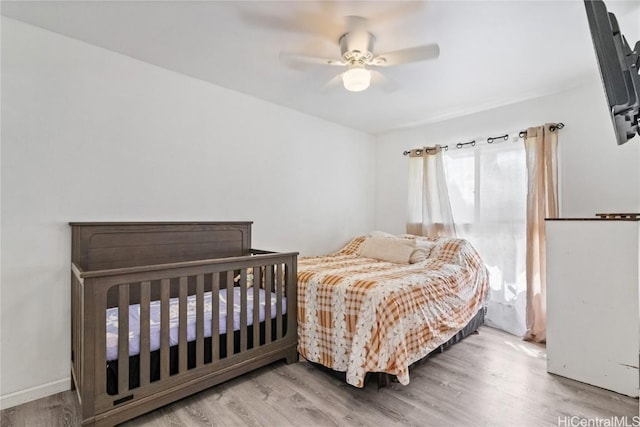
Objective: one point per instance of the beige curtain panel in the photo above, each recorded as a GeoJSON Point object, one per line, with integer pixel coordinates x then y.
{"type": "Point", "coordinates": [541, 145]}
{"type": "Point", "coordinates": [429, 210]}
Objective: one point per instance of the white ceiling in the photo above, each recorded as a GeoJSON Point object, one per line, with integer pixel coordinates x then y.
{"type": "Point", "coordinates": [492, 53]}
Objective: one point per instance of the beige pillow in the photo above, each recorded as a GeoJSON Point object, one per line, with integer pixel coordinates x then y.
{"type": "Point", "coordinates": [390, 250]}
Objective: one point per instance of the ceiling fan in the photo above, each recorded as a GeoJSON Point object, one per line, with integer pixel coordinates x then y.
{"type": "Point", "coordinates": [357, 54]}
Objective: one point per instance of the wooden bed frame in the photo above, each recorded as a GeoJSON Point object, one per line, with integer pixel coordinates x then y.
{"type": "Point", "coordinates": [119, 264]}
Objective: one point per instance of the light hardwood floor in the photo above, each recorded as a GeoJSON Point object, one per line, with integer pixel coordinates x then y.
{"type": "Point", "coordinates": [489, 379]}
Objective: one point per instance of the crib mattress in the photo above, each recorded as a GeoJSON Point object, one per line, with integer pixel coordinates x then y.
{"type": "Point", "coordinates": [154, 309]}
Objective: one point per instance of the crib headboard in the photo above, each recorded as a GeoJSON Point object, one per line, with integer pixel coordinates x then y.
{"type": "Point", "coordinates": [107, 245]}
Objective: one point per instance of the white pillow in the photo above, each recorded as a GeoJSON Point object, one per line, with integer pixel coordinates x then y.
{"type": "Point", "coordinates": [407, 236]}
{"type": "Point", "coordinates": [385, 249]}
{"type": "Point", "coordinates": [382, 235]}
{"type": "Point", "coordinates": [426, 244]}
{"type": "Point", "coordinates": [419, 254]}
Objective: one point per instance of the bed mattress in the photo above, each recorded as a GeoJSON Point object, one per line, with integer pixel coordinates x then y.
{"type": "Point", "coordinates": [134, 319]}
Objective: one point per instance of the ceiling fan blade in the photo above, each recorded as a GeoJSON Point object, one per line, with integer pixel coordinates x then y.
{"type": "Point", "coordinates": [332, 84]}
{"type": "Point", "coordinates": [404, 56]}
{"type": "Point", "coordinates": [383, 82]}
{"type": "Point", "coordinates": [322, 20]}
{"type": "Point", "coordinates": [296, 60]}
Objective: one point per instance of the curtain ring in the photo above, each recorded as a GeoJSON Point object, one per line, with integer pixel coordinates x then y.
{"type": "Point", "coordinates": [556, 126]}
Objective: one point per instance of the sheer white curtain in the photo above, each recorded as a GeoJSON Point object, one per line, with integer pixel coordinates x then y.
{"type": "Point", "coordinates": [488, 190]}
{"type": "Point", "coordinates": [429, 210]}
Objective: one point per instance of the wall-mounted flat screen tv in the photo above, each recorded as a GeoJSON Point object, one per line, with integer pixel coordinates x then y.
{"type": "Point", "coordinates": [619, 66]}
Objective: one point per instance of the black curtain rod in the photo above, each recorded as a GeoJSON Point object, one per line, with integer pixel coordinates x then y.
{"type": "Point", "coordinates": [490, 140]}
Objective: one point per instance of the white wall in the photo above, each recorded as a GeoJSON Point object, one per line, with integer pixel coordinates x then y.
{"type": "Point", "coordinates": [92, 135]}
{"type": "Point", "coordinates": [596, 175]}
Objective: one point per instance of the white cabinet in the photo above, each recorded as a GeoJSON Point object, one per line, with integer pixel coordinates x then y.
{"type": "Point", "coordinates": [593, 321]}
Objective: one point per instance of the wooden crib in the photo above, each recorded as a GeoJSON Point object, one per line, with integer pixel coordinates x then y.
{"type": "Point", "coordinates": [158, 296]}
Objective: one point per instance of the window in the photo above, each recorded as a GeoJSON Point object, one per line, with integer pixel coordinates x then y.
{"type": "Point", "coordinates": [488, 193]}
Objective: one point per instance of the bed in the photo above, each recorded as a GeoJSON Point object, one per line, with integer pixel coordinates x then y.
{"type": "Point", "coordinates": [358, 313]}
{"type": "Point", "coordinates": [160, 311]}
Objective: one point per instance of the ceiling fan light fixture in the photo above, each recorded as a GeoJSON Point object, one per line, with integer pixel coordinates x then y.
{"type": "Point", "coordinates": [356, 79]}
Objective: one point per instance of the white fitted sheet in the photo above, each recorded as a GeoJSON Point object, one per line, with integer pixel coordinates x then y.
{"type": "Point", "coordinates": [134, 319]}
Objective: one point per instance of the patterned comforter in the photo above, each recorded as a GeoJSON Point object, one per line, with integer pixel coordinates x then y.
{"type": "Point", "coordinates": [359, 315]}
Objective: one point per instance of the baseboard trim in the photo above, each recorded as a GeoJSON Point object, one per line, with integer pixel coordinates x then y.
{"type": "Point", "coordinates": [34, 393]}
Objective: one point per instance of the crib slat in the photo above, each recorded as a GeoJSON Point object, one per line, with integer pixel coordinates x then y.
{"type": "Point", "coordinates": [279, 287]}
{"type": "Point", "coordinates": [76, 333]}
{"type": "Point", "coordinates": [100, 342]}
{"type": "Point", "coordinates": [229, 313]}
{"type": "Point", "coordinates": [257, 280]}
{"type": "Point", "coordinates": [164, 329]}
{"type": "Point", "coordinates": [243, 310]}
{"type": "Point", "coordinates": [123, 338]}
{"type": "Point", "coordinates": [182, 326]}
{"type": "Point", "coordinates": [74, 329]}
{"type": "Point", "coordinates": [199, 320]}
{"type": "Point", "coordinates": [268, 278]}
{"type": "Point", "coordinates": [145, 298]}
{"type": "Point", "coordinates": [215, 317]}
